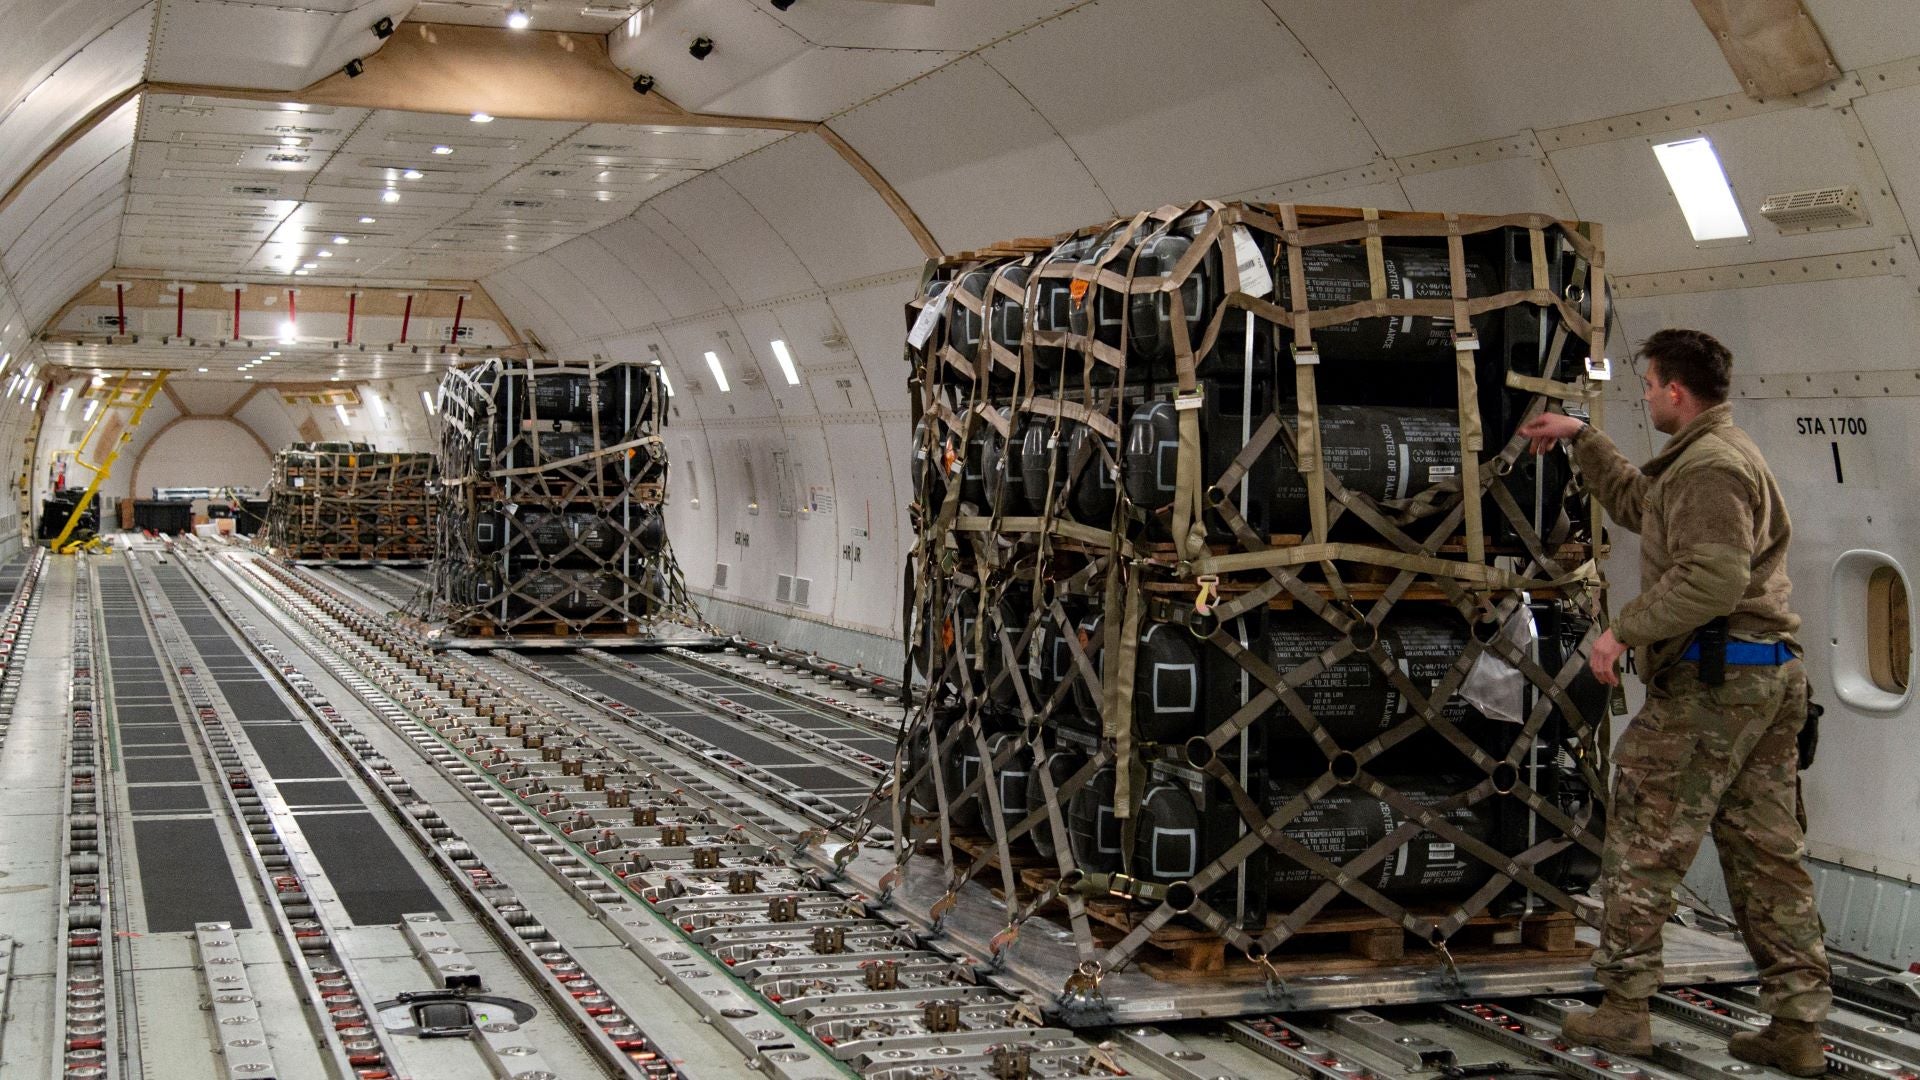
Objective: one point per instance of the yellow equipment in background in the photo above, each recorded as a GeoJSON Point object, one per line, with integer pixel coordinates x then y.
{"type": "Point", "coordinates": [141, 401]}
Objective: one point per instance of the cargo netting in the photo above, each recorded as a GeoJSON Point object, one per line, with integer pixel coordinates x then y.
{"type": "Point", "coordinates": [1240, 610]}
{"type": "Point", "coordinates": [347, 502]}
{"type": "Point", "coordinates": [551, 517]}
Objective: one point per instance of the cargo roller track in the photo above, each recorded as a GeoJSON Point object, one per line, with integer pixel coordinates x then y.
{"type": "Point", "coordinates": [756, 903]}
{"type": "Point", "coordinates": [311, 921]}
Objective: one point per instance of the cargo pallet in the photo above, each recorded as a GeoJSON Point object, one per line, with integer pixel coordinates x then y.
{"type": "Point", "coordinates": [1175, 424]}
{"type": "Point", "coordinates": [550, 525]}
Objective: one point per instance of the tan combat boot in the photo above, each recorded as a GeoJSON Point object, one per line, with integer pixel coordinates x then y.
{"type": "Point", "coordinates": [1795, 1047]}
{"type": "Point", "coordinates": [1619, 1026]}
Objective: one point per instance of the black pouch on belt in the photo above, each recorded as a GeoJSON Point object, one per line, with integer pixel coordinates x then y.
{"type": "Point", "coordinates": [1810, 734]}
{"type": "Point", "coordinates": [1712, 639]}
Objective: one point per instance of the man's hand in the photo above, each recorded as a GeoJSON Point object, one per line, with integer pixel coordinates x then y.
{"type": "Point", "coordinates": [1605, 658]}
{"type": "Point", "coordinates": [1549, 428]}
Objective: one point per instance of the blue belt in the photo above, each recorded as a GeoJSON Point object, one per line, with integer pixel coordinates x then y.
{"type": "Point", "coordinates": [1747, 653]}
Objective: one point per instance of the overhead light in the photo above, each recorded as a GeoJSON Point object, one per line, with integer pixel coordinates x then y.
{"type": "Point", "coordinates": [426, 398]}
{"type": "Point", "coordinates": [379, 407]}
{"type": "Point", "coordinates": [413, 174]}
{"type": "Point", "coordinates": [311, 266]}
{"type": "Point", "coordinates": [1700, 184]}
{"type": "Point", "coordinates": [288, 332]}
{"type": "Point", "coordinates": [389, 196]}
{"type": "Point", "coordinates": [92, 407]}
{"type": "Point", "coordinates": [481, 118]}
{"type": "Point", "coordinates": [249, 378]}
{"type": "Point", "coordinates": [781, 354]}
{"type": "Point", "coordinates": [302, 273]}
{"type": "Point", "coordinates": [344, 240]}
{"type": "Point", "coordinates": [700, 48]}
{"type": "Point", "coordinates": [363, 221]}
{"type": "Point", "coordinates": [719, 376]}
{"type": "Point", "coordinates": [517, 17]}
{"type": "Point", "coordinates": [443, 151]}
{"type": "Point", "coordinates": [341, 412]}
{"type": "Point", "coordinates": [324, 254]}
{"type": "Point", "coordinates": [66, 397]}
{"type": "Point", "coordinates": [4, 360]}
{"type": "Point", "coordinates": [203, 371]}
{"type": "Point", "coordinates": [38, 389]}
{"type": "Point", "coordinates": [666, 382]}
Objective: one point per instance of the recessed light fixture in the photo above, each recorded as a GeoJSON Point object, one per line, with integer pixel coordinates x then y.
{"type": "Point", "coordinates": [344, 240]}
{"type": "Point", "coordinates": [363, 221]}
{"type": "Point", "coordinates": [1700, 185]}
{"type": "Point", "coordinates": [341, 412]}
{"type": "Point", "coordinates": [517, 17]}
{"type": "Point", "coordinates": [719, 375]}
{"type": "Point", "coordinates": [481, 118]}
{"type": "Point", "coordinates": [389, 196]}
{"type": "Point", "coordinates": [203, 371]}
{"type": "Point", "coordinates": [66, 397]}
{"type": "Point", "coordinates": [666, 382]}
{"type": "Point", "coordinates": [92, 407]}
{"type": "Point", "coordinates": [443, 151]}
{"type": "Point", "coordinates": [781, 354]}
{"type": "Point", "coordinates": [426, 398]}
{"type": "Point", "coordinates": [302, 273]}
{"type": "Point", "coordinates": [413, 174]}
{"type": "Point", "coordinates": [311, 266]}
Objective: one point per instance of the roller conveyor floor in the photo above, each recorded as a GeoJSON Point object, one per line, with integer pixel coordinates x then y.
{"type": "Point", "coordinates": [285, 780]}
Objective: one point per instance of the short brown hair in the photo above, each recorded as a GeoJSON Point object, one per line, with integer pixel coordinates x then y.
{"type": "Point", "coordinates": [1693, 358]}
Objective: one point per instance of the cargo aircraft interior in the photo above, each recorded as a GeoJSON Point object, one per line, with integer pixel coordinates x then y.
{"type": "Point", "coordinates": [958, 539]}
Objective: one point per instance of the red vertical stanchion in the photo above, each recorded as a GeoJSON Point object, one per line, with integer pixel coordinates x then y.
{"type": "Point", "coordinates": [180, 311]}
{"type": "Point", "coordinates": [353, 303]}
{"type": "Point", "coordinates": [236, 314]}
{"type": "Point", "coordinates": [120, 302]}
{"type": "Point", "coordinates": [459, 307]}
{"type": "Point", "coordinates": [406, 317]}
{"type": "Point", "coordinates": [293, 316]}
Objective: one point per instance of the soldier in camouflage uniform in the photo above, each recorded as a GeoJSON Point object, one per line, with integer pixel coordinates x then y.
{"type": "Point", "coordinates": [1713, 544]}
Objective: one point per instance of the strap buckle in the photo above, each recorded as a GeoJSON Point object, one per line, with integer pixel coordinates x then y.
{"type": "Point", "coordinates": [1209, 592]}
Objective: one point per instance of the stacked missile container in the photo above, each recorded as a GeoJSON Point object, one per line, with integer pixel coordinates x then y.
{"type": "Point", "coordinates": [551, 513]}
{"type": "Point", "coordinates": [344, 501]}
{"type": "Point", "coordinates": [1237, 600]}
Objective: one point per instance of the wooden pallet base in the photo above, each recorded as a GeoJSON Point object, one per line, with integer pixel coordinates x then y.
{"type": "Point", "coordinates": [1333, 942]}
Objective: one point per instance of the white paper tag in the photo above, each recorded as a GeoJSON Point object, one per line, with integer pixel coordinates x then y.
{"type": "Point", "coordinates": [1255, 279]}
{"type": "Point", "coordinates": [929, 317]}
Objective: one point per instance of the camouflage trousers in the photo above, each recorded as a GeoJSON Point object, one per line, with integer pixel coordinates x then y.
{"type": "Point", "coordinates": [1723, 758]}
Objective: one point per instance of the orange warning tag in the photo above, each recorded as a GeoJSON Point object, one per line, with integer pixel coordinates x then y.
{"type": "Point", "coordinates": [1078, 290]}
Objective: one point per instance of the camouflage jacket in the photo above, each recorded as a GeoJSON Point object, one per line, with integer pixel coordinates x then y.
{"type": "Point", "coordinates": [1713, 536]}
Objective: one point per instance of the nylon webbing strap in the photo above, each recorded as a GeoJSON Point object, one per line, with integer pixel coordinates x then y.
{"type": "Point", "coordinates": [1467, 386]}
{"type": "Point", "coordinates": [1307, 407]}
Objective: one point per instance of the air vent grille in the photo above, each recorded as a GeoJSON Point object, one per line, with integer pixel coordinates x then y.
{"type": "Point", "coordinates": [1815, 208]}
{"type": "Point", "coordinates": [720, 575]}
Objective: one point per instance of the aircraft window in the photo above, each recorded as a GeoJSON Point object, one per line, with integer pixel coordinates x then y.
{"type": "Point", "coordinates": [1889, 635]}
{"type": "Point", "coordinates": [1869, 620]}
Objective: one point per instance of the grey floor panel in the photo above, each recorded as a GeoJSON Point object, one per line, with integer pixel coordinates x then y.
{"type": "Point", "coordinates": [254, 700]}
{"type": "Point", "coordinates": [153, 736]}
{"type": "Point", "coordinates": [185, 876]}
{"type": "Point", "coordinates": [319, 793]}
{"type": "Point", "coordinates": [371, 876]}
{"type": "Point", "coordinates": [169, 797]}
{"type": "Point", "coordinates": [160, 770]}
{"type": "Point", "coordinates": [288, 752]}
